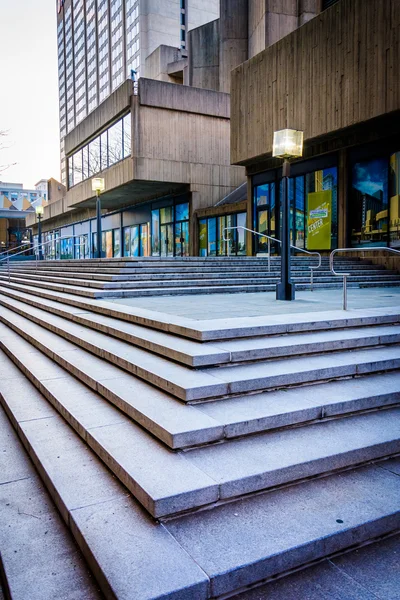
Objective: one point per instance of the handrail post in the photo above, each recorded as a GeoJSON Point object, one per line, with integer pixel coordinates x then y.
{"type": "Point", "coordinates": [269, 255]}
{"type": "Point", "coordinates": [344, 292]}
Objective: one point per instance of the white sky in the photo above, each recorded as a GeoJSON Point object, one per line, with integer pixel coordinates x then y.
{"type": "Point", "coordinates": [29, 90]}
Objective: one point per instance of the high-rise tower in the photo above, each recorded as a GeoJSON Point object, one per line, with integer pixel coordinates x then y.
{"type": "Point", "coordinates": [100, 43]}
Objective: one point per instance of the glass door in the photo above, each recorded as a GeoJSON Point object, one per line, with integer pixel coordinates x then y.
{"type": "Point", "coordinates": [167, 240]}
{"type": "Point", "coordinates": [182, 239]}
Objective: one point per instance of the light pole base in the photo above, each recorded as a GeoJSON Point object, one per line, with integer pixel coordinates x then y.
{"type": "Point", "coordinates": [285, 291]}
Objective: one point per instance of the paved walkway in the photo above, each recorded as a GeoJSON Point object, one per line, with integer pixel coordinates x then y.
{"type": "Point", "coordinates": [370, 573]}
{"type": "Point", "coordinates": [220, 306]}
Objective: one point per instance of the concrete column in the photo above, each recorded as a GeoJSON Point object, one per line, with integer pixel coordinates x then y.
{"type": "Point", "coordinates": [233, 47]}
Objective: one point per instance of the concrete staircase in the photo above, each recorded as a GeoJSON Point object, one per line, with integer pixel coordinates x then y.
{"type": "Point", "coordinates": [128, 278]}
{"type": "Point", "coordinates": [191, 459]}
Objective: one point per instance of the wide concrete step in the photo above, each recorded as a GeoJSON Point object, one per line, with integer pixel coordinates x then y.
{"type": "Point", "coordinates": [202, 554]}
{"type": "Point", "coordinates": [179, 425]}
{"type": "Point", "coordinates": [167, 483]}
{"type": "Point", "coordinates": [164, 281]}
{"type": "Point", "coordinates": [94, 293]}
{"type": "Point", "coordinates": [131, 555]}
{"type": "Point", "coordinates": [195, 354]}
{"type": "Point", "coordinates": [217, 329]}
{"type": "Point", "coordinates": [39, 558]}
{"type": "Point", "coordinates": [189, 385]}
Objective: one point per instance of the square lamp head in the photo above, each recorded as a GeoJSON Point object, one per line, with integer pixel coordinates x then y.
{"type": "Point", "coordinates": [98, 185]}
{"type": "Point", "coordinates": [288, 143]}
{"type": "Point", "coordinates": [39, 210]}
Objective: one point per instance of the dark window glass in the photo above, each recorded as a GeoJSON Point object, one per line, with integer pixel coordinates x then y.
{"type": "Point", "coordinates": [394, 195]}
{"type": "Point", "coordinates": [369, 203]}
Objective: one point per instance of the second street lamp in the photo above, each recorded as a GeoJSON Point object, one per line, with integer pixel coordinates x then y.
{"type": "Point", "coordinates": [39, 213]}
{"type": "Point", "coordinates": [288, 143]}
{"type": "Point", "coordinates": [98, 187]}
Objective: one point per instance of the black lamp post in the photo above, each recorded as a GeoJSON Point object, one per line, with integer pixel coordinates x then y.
{"type": "Point", "coordinates": [288, 143]}
{"type": "Point", "coordinates": [39, 213]}
{"type": "Point", "coordinates": [98, 187]}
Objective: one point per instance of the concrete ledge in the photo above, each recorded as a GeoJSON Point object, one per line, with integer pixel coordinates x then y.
{"type": "Point", "coordinates": [161, 94]}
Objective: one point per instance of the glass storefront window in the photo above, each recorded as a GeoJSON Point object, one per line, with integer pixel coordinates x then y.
{"type": "Point", "coordinates": [144, 240]}
{"type": "Point", "coordinates": [135, 240]}
{"type": "Point", "coordinates": [313, 210]}
{"type": "Point", "coordinates": [116, 243]}
{"type": "Point", "coordinates": [203, 237]}
{"type": "Point", "coordinates": [127, 241]}
{"type": "Point", "coordinates": [182, 212]}
{"type": "Point", "coordinates": [94, 245]}
{"type": "Point", "coordinates": [241, 233]}
{"type": "Point", "coordinates": [115, 149]}
{"type": "Point", "coordinates": [166, 215]}
{"type": "Point", "coordinates": [369, 203]}
{"type": "Point", "coordinates": [127, 135]}
{"type": "Point", "coordinates": [104, 150]}
{"type": "Point", "coordinates": [212, 237]}
{"type": "Point", "coordinates": [155, 232]}
{"type": "Point", "coordinates": [394, 195]}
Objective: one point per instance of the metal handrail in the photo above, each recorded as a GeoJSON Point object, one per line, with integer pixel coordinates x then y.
{"type": "Point", "coordinates": [346, 275]}
{"type": "Point", "coordinates": [36, 248]}
{"type": "Point", "coordinates": [27, 246]}
{"type": "Point", "coordinates": [272, 239]}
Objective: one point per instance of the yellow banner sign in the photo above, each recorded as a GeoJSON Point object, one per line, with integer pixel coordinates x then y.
{"type": "Point", "coordinates": [319, 220]}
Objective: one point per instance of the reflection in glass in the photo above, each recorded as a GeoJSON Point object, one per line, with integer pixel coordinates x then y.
{"type": "Point", "coordinates": [135, 240]}
{"type": "Point", "coordinates": [144, 240]}
{"type": "Point", "coordinates": [109, 244]}
{"type": "Point", "coordinates": [104, 151]}
{"type": "Point", "coordinates": [127, 135]}
{"type": "Point", "coordinates": [155, 232]}
{"type": "Point", "coordinates": [394, 195]}
{"type": "Point", "coordinates": [212, 236]}
{"type": "Point", "coordinates": [77, 167]}
{"type": "Point", "coordinates": [241, 233]}
{"type": "Point", "coordinates": [182, 212]}
{"type": "Point", "coordinates": [369, 203]}
{"type": "Point", "coordinates": [115, 151]}
{"type": "Point", "coordinates": [116, 243]}
{"type": "Point", "coordinates": [94, 157]}
{"type": "Point", "coordinates": [127, 241]}
{"type": "Point", "coordinates": [203, 237]}
{"type": "Point", "coordinates": [166, 214]}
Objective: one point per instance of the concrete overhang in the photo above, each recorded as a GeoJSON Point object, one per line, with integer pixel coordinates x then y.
{"type": "Point", "coordinates": [134, 193]}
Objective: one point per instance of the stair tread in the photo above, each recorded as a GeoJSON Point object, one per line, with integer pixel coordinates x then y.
{"type": "Point", "coordinates": [186, 480]}
{"type": "Point", "coordinates": [117, 533]}
{"type": "Point", "coordinates": [180, 426]}
{"type": "Point", "coordinates": [39, 557]}
{"type": "Point", "coordinates": [197, 354]}
{"type": "Point", "coordinates": [189, 385]}
{"type": "Point", "coordinates": [243, 542]}
{"type": "Point", "coordinates": [221, 329]}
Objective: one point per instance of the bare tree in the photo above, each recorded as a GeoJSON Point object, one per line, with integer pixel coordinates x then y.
{"type": "Point", "coordinates": [3, 146]}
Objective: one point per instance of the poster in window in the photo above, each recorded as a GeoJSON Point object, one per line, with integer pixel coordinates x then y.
{"type": "Point", "coordinates": [319, 220]}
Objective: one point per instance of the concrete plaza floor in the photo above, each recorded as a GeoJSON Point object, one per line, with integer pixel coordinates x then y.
{"type": "Point", "coordinates": [222, 306]}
